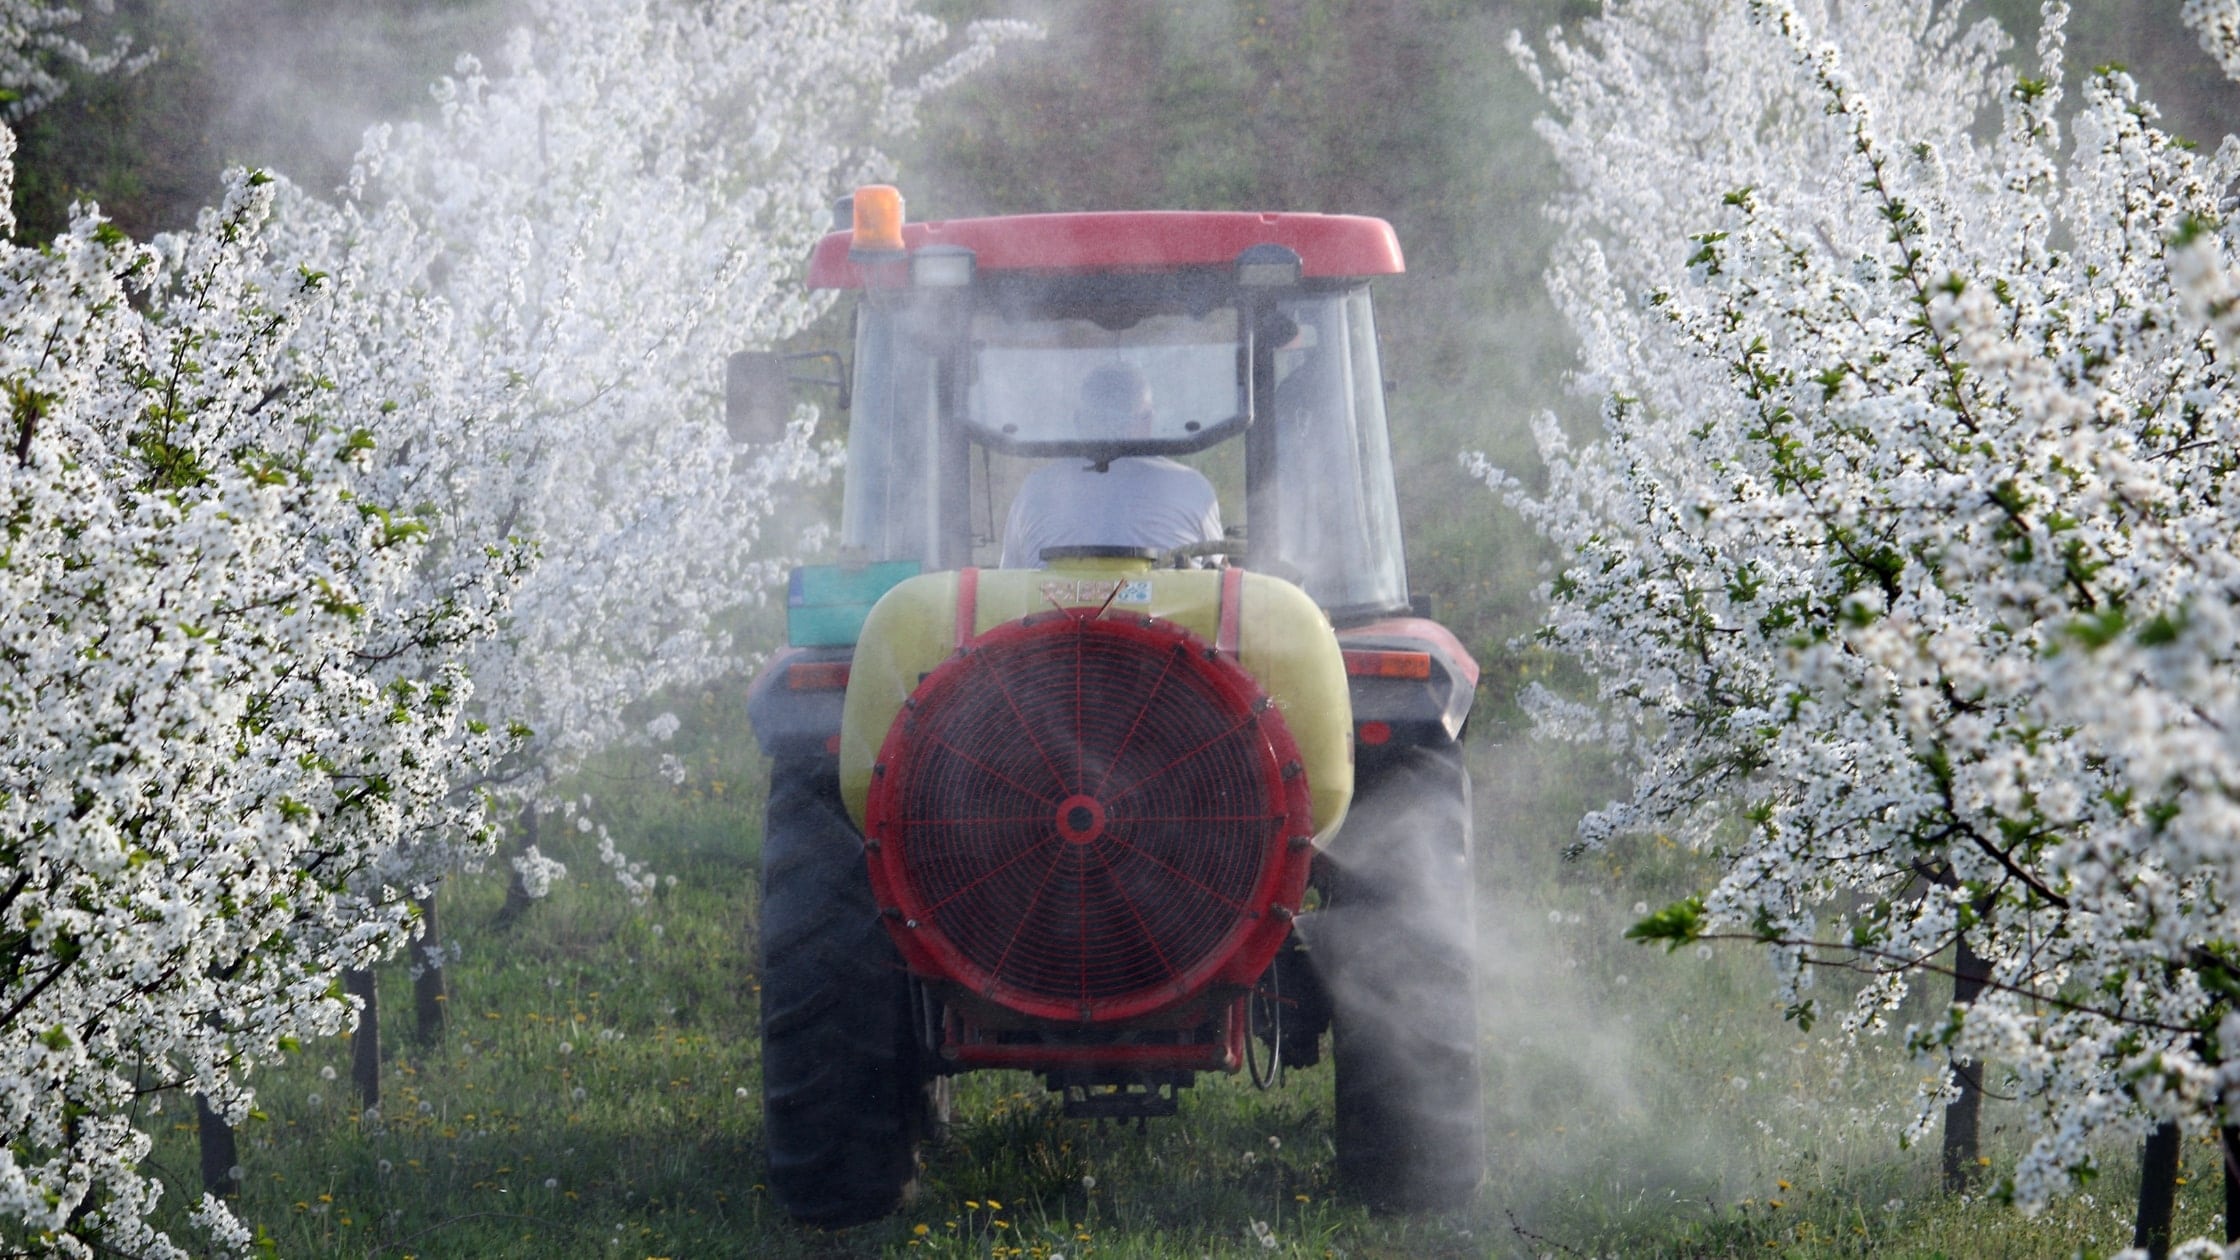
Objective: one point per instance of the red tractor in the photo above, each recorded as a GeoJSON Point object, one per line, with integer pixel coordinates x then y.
{"type": "Point", "coordinates": [1134, 808]}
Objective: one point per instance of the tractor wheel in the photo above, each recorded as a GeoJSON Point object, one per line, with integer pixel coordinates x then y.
{"type": "Point", "coordinates": [846, 1097]}
{"type": "Point", "coordinates": [1396, 950]}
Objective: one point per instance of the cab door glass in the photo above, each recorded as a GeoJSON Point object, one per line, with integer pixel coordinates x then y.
{"type": "Point", "coordinates": [893, 451]}
{"type": "Point", "coordinates": [1337, 527]}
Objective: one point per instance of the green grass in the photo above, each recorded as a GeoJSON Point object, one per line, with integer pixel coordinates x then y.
{"type": "Point", "coordinates": [596, 1094]}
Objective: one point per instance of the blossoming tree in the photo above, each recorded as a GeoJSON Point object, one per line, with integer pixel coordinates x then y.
{"type": "Point", "coordinates": [1905, 560]}
{"type": "Point", "coordinates": [226, 708]}
{"type": "Point", "coordinates": [326, 521]}
{"type": "Point", "coordinates": [553, 271]}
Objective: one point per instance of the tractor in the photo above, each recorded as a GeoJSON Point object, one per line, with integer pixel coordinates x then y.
{"type": "Point", "coordinates": [1123, 813]}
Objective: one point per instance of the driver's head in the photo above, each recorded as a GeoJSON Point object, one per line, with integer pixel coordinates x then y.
{"type": "Point", "coordinates": [1115, 402]}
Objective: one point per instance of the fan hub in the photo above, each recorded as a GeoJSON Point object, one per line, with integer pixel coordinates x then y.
{"type": "Point", "coordinates": [1080, 819]}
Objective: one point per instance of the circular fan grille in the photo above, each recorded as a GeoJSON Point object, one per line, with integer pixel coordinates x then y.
{"type": "Point", "coordinates": [1086, 818]}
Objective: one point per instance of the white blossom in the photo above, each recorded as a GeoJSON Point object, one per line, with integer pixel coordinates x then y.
{"type": "Point", "coordinates": [38, 53]}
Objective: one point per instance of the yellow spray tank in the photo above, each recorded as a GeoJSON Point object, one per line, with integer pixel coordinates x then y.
{"type": "Point", "coordinates": [1091, 792]}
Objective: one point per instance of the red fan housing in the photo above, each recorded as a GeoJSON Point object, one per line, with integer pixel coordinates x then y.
{"type": "Point", "coordinates": [1089, 819]}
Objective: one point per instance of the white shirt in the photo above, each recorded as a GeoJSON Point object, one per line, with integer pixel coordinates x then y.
{"type": "Point", "coordinates": [1140, 501]}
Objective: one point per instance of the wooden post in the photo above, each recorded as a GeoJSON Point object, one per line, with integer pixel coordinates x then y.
{"type": "Point", "coordinates": [517, 891]}
{"type": "Point", "coordinates": [220, 1157]}
{"type": "Point", "coordinates": [1963, 1115]}
{"type": "Point", "coordinates": [2158, 1191]}
{"type": "Point", "coordinates": [2228, 1143]}
{"type": "Point", "coordinates": [365, 1046]}
{"type": "Point", "coordinates": [428, 989]}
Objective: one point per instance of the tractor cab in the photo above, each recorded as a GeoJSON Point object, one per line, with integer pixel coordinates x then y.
{"type": "Point", "coordinates": [981, 346]}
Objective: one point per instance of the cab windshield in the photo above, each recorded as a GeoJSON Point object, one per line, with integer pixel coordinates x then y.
{"type": "Point", "coordinates": [961, 395]}
{"type": "Point", "coordinates": [1033, 382]}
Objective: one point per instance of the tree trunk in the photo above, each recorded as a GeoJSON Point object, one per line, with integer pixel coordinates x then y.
{"type": "Point", "coordinates": [517, 892]}
{"type": "Point", "coordinates": [1963, 1115]}
{"type": "Point", "coordinates": [221, 1160]}
{"type": "Point", "coordinates": [365, 1046]}
{"type": "Point", "coordinates": [428, 992]}
{"type": "Point", "coordinates": [2158, 1191]}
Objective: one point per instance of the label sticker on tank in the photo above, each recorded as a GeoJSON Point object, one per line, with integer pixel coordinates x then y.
{"type": "Point", "coordinates": [1074, 593]}
{"type": "Point", "coordinates": [1095, 592]}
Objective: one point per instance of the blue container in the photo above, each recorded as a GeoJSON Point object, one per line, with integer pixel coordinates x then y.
{"type": "Point", "coordinates": [826, 603]}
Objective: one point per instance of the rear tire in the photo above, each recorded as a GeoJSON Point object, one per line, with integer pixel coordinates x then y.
{"type": "Point", "coordinates": [1396, 950]}
{"type": "Point", "coordinates": [846, 1095]}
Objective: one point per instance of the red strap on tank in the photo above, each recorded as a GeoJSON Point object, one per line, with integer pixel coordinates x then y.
{"type": "Point", "coordinates": [968, 604]}
{"type": "Point", "coordinates": [1232, 599]}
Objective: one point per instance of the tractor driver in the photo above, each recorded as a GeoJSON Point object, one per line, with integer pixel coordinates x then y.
{"type": "Point", "coordinates": [1130, 501]}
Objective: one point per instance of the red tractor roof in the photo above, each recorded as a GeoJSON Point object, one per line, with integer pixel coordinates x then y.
{"type": "Point", "coordinates": [1136, 241]}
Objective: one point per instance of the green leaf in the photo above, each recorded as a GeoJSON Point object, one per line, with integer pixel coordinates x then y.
{"type": "Point", "coordinates": [2163, 629]}
{"type": "Point", "coordinates": [1674, 926]}
{"type": "Point", "coordinates": [2098, 630]}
